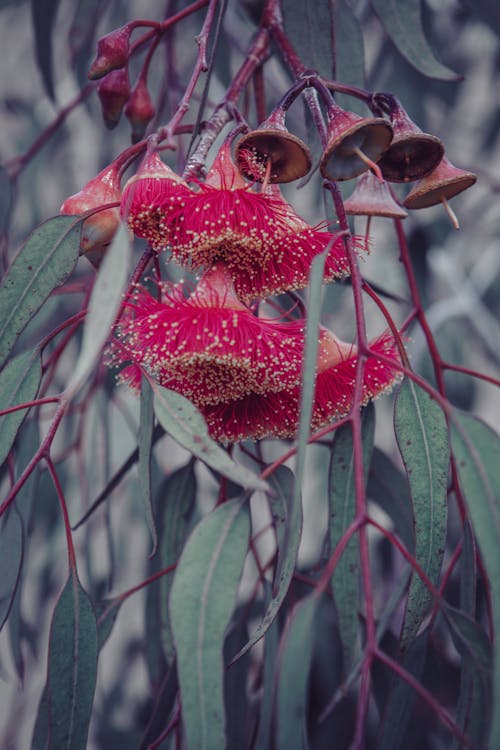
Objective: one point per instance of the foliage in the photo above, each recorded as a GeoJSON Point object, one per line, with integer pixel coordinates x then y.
{"type": "Point", "coordinates": [164, 584]}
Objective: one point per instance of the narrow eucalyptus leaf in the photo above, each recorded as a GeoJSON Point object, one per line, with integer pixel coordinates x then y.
{"type": "Point", "coordinates": [5, 198]}
{"type": "Point", "coordinates": [422, 437]}
{"type": "Point", "coordinates": [11, 560]}
{"type": "Point", "coordinates": [72, 668]}
{"type": "Point", "coordinates": [146, 427]}
{"type": "Point", "coordinates": [45, 261]}
{"type": "Point", "coordinates": [403, 23]}
{"type": "Point", "coordinates": [43, 13]}
{"type": "Point", "coordinates": [182, 420]}
{"type": "Point", "coordinates": [476, 448]}
{"type": "Point", "coordinates": [283, 483]}
{"type": "Point", "coordinates": [388, 487]}
{"type": "Point", "coordinates": [201, 603]}
{"type": "Point", "coordinates": [342, 507]}
{"type": "Point", "coordinates": [296, 650]}
{"type": "Point", "coordinates": [106, 612]}
{"type": "Point", "coordinates": [105, 300]}
{"type": "Point", "coordinates": [19, 382]}
{"type": "Point", "coordinates": [309, 28]}
{"type": "Point", "coordinates": [349, 53]}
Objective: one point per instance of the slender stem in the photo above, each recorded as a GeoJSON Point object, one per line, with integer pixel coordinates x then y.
{"type": "Point", "coordinates": [64, 509]}
{"type": "Point", "coordinates": [30, 404]}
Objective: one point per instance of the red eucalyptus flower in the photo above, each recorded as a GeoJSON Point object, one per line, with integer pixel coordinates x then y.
{"type": "Point", "coordinates": [209, 346]}
{"type": "Point", "coordinates": [266, 246]}
{"type": "Point", "coordinates": [276, 414]}
{"type": "Point", "coordinates": [153, 185]}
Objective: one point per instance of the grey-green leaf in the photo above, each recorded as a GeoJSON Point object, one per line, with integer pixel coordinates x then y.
{"type": "Point", "coordinates": [296, 650]}
{"type": "Point", "coordinates": [403, 23]}
{"type": "Point", "coordinates": [476, 448]}
{"type": "Point", "coordinates": [182, 420]}
{"type": "Point", "coordinates": [44, 262]}
{"type": "Point", "coordinates": [308, 25]}
{"type": "Point", "coordinates": [284, 484]}
{"type": "Point", "coordinates": [11, 560]}
{"type": "Point", "coordinates": [175, 502]}
{"type": "Point", "coordinates": [422, 437]}
{"type": "Point", "coordinates": [105, 300]}
{"type": "Point", "coordinates": [201, 603]}
{"type": "Point", "coordinates": [72, 668]}
{"type": "Point", "coordinates": [44, 14]}
{"type": "Point", "coordinates": [342, 497]}
{"type": "Point", "coordinates": [146, 426]}
{"type": "Point", "coordinates": [349, 53]}
{"type": "Point", "coordinates": [19, 382]}
{"type": "Point", "coordinates": [5, 198]}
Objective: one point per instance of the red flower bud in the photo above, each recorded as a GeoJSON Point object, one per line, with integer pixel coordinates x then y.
{"type": "Point", "coordinates": [139, 109]}
{"type": "Point", "coordinates": [98, 230]}
{"type": "Point", "coordinates": [112, 52]}
{"type": "Point", "coordinates": [113, 91]}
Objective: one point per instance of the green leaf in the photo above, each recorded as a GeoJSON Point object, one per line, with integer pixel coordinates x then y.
{"type": "Point", "coordinates": [349, 54]}
{"type": "Point", "coordinates": [342, 494]}
{"type": "Point", "coordinates": [476, 448]}
{"type": "Point", "coordinates": [308, 26]}
{"type": "Point", "coordinates": [105, 300]}
{"type": "Point", "coordinates": [146, 427]}
{"type": "Point", "coordinates": [201, 603]}
{"type": "Point", "coordinates": [106, 612]}
{"type": "Point", "coordinates": [5, 198]}
{"type": "Point", "coordinates": [470, 639]}
{"type": "Point", "coordinates": [403, 23]}
{"type": "Point", "coordinates": [72, 668]}
{"type": "Point", "coordinates": [422, 436]}
{"type": "Point", "coordinates": [176, 498]}
{"type": "Point", "coordinates": [44, 262]}
{"type": "Point", "coordinates": [19, 382]}
{"type": "Point", "coordinates": [40, 739]}
{"type": "Point", "coordinates": [388, 487]}
{"type": "Point", "coordinates": [43, 14]}
{"type": "Point", "coordinates": [296, 651]}
{"type": "Point", "coordinates": [182, 420]}
{"type": "Point", "coordinates": [263, 739]}
{"type": "Point", "coordinates": [283, 484]}
{"type": "Point", "coordinates": [11, 560]}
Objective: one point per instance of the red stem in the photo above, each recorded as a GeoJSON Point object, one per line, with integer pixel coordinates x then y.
{"type": "Point", "coordinates": [30, 404]}
{"type": "Point", "coordinates": [64, 509]}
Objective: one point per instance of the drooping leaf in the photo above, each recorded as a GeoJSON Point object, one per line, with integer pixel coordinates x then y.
{"type": "Point", "coordinates": [238, 709]}
{"type": "Point", "coordinates": [81, 36]}
{"type": "Point", "coordinates": [44, 262]}
{"type": "Point", "coordinates": [263, 739]}
{"type": "Point", "coordinates": [43, 14]}
{"type": "Point", "coordinates": [342, 507]}
{"type": "Point", "coordinates": [40, 738]}
{"type": "Point", "coordinates": [201, 602]}
{"type": "Point", "coordinates": [349, 53]}
{"type": "Point", "coordinates": [388, 487]}
{"type": "Point", "coordinates": [309, 28]}
{"type": "Point", "coordinates": [422, 437]}
{"type": "Point", "coordinates": [72, 668]}
{"type": "Point", "coordinates": [182, 420]}
{"type": "Point", "coordinates": [11, 560]}
{"type": "Point", "coordinates": [104, 304]}
{"type": "Point", "coordinates": [19, 381]}
{"type": "Point", "coordinates": [282, 483]}
{"type": "Point", "coordinates": [175, 502]}
{"type": "Point", "coordinates": [476, 448]}
{"type": "Point", "coordinates": [106, 612]}
{"type": "Point", "coordinates": [5, 198]}
{"type": "Point", "coordinates": [146, 427]}
{"type": "Point", "coordinates": [403, 23]}
{"type": "Point", "coordinates": [470, 639]}
{"type": "Point", "coordinates": [293, 672]}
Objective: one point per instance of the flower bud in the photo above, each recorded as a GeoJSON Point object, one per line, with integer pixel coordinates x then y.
{"type": "Point", "coordinates": [139, 110]}
{"type": "Point", "coordinates": [99, 229]}
{"type": "Point", "coordinates": [113, 91]}
{"type": "Point", "coordinates": [112, 52]}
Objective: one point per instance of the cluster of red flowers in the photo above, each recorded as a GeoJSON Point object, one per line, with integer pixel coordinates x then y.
{"type": "Point", "coordinates": [242, 371]}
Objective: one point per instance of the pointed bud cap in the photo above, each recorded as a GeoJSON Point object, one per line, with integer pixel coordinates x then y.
{"type": "Point", "coordinates": [139, 109]}
{"type": "Point", "coordinates": [112, 52]}
{"type": "Point", "coordinates": [99, 229]}
{"type": "Point", "coordinates": [353, 142]}
{"type": "Point", "coordinates": [412, 153]}
{"type": "Point", "coordinates": [113, 92]}
{"type": "Point", "coordinates": [444, 182]}
{"type": "Point", "coordinates": [371, 197]}
{"type": "Point", "coordinates": [289, 156]}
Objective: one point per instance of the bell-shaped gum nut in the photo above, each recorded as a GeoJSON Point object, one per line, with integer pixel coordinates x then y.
{"type": "Point", "coordinates": [139, 109]}
{"type": "Point", "coordinates": [112, 52]}
{"type": "Point", "coordinates": [113, 92]}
